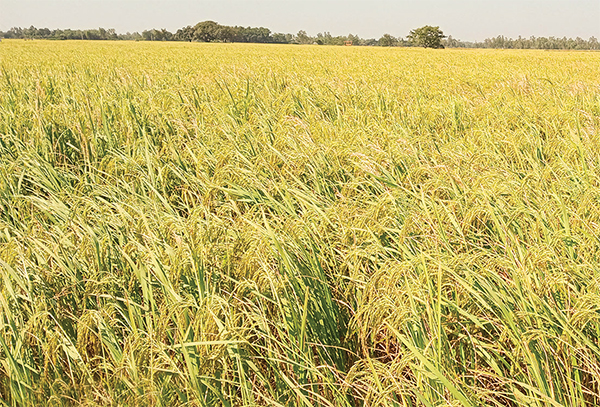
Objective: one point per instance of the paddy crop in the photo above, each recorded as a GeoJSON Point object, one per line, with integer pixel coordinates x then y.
{"type": "Point", "coordinates": [239, 225]}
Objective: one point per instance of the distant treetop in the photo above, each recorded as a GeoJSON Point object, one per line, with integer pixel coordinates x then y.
{"type": "Point", "coordinates": [427, 37]}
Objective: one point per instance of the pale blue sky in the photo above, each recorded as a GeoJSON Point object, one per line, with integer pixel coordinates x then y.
{"type": "Point", "coordinates": [464, 19]}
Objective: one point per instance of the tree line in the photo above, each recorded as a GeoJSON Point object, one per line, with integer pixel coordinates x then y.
{"type": "Point", "coordinates": [501, 42]}
{"type": "Point", "coordinates": [210, 31]}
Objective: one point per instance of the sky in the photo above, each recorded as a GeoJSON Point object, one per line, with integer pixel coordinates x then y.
{"type": "Point", "coordinates": [468, 20]}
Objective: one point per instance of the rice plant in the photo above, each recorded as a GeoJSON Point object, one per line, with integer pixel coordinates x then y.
{"type": "Point", "coordinates": [245, 225]}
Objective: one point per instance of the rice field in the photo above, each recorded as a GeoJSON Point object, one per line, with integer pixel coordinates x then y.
{"type": "Point", "coordinates": [271, 225]}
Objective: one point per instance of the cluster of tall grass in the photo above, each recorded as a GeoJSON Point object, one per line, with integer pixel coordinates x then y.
{"type": "Point", "coordinates": [240, 225]}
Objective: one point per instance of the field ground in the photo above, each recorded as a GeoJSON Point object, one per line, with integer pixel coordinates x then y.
{"type": "Point", "coordinates": [239, 225]}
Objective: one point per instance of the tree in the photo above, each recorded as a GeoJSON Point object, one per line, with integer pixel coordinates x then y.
{"type": "Point", "coordinates": [280, 38]}
{"type": "Point", "coordinates": [185, 34]}
{"type": "Point", "coordinates": [225, 33]}
{"type": "Point", "coordinates": [148, 35]}
{"type": "Point", "coordinates": [253, 34]}
{"type": "Point", "coordinates": [303, 38]}
{"type": "Point", "coordinates": [452, 42]}
{"type": "Point", "coordinates": [427, 36]}
{"type": "Point", "coordinates": [206, 31]}
{"type": "Point", "coordinates": [388, 40]}
{"type": "Point", "coordinates": [355, 39]}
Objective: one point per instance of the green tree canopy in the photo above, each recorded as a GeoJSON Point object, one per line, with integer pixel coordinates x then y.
{"type": "Point", "coordinates": [388, 40]}
{"type": "Point", "coordinates": [207, 31]}
{"type": "Point", "coordinates": [303, 38]}
{"type": "Point", "coordinates": [427, 37]}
